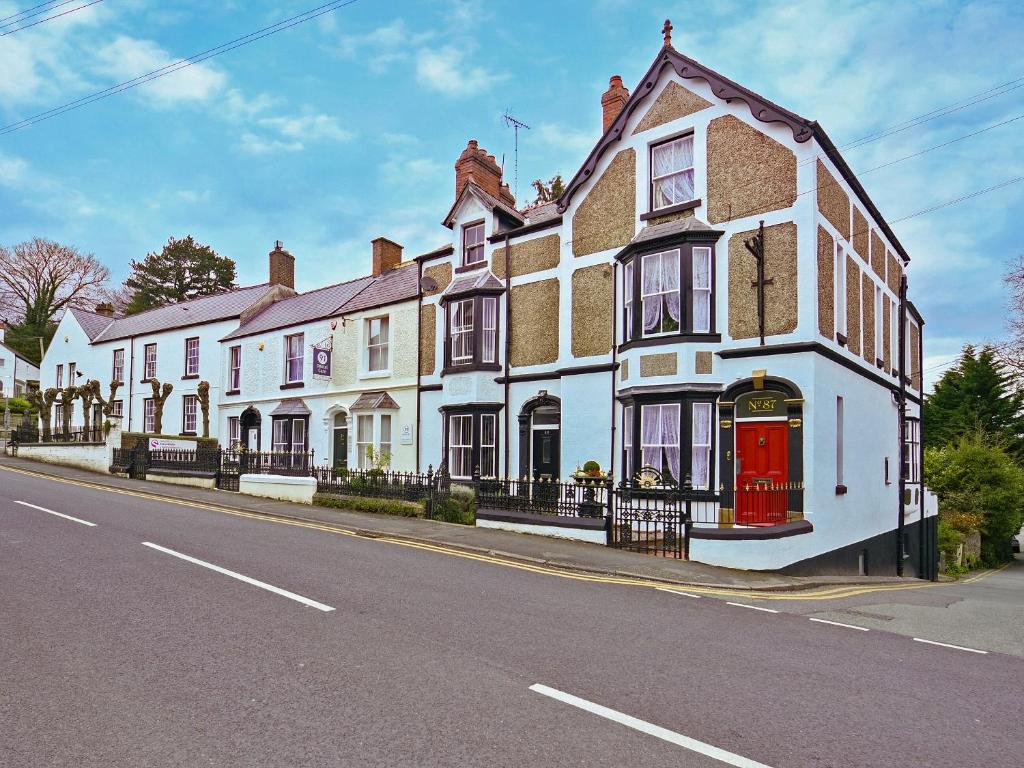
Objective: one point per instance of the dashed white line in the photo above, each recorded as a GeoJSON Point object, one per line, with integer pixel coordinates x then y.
{"type": "Point", "coordinates": [240, 577]}
{"type": "Point", "coordinates": [677, 592]}
{"type": "Point", "coordinates": [948, 645]}
{"type": "Point", "coordinates": [650, 729]}
{"type": "Point", "coordinates": [840, 624]}
{"type": "Point", "coordinates": [753, 607]}
{"type": "Point", "coordinates": [58, 514]}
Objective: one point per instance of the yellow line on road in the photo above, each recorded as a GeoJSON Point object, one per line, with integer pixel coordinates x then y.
{"type": "Point", "coordinates": [829, 593]}
{"type": "Point", "coordinates": [984, 574]}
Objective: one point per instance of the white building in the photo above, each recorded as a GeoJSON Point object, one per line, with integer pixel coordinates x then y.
{"type": "Point", "coordinates": [15, 371]}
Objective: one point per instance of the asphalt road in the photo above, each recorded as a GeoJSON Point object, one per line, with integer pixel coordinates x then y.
{"type": "Point", "coordinates": [115, 653]}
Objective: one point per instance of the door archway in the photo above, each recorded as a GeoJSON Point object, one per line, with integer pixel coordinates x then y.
{"type": "Point", "coordinates": [540, 443]}
{"type": "Point", "coordinates": [339, 441]}
{"type": "Point", "coordinates": [250, 422]}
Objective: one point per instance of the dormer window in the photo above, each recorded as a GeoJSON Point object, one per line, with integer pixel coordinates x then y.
{"type": "Point", "coordinates": [473, 243]}
{"type": "Point", "coordinates": [672, 172]}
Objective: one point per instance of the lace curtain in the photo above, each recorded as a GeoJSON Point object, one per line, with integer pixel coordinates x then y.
{"type": "Point", "coordinates": [660, 291]}
{"type": "Point", "coordinates": [700, 459]}
{"type": "Point", "coordinates": [672, 171]}
{"type": "Point", "coordinates": [660, 438]}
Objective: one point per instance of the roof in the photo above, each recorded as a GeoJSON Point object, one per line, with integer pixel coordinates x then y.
{"type": "Point", "coordinates": [482, 281]}
{"type": "Point", "coordinates": [369, 401]}
{"type": "Point", "coordinates": [538, 214]}
{"type": "Point", "coordinates": [301, 308]}
{"type": "Point", "coordinates": [18, 355]}
{"type": "Point", "coordinates": [206, 309]}
{"type": "Point", "coordinates": [489, 201]}
{"type": "Point", "coordinates": [293, 406]}
{"type": "Point", "coordinates": [395, 285]}
{"type": "Point", "coordinates": [92, 323]}
{"type": "Point", "coordinates": [761, 108]}
{"type": "Point", "coordinates": [689, 228]}
{"type": "Point", "coordinates": [444, 250]}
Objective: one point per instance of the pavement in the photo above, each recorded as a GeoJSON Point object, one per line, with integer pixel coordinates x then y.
{"type": "Point", "coordinates": [144, 631]}
{"type": "Point", "coordinates": [524, 548]}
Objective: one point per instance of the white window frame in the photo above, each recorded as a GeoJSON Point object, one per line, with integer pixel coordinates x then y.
{"type": "Point", "coordinates": [662, 444]}
{"type": "Point", "coordinates": [489, 326]}
{"type": "Point", "coordinates": [912, 445]}
{"type": "Point", "coordinates": [148, 415]}
{"type": "Point", "coordinates": [464, 449]}
{"type": "Point", "coordinates": [840, 440]}
{"type": "Point", "coordinates": [488, 450]}
{"type": "Point", "coordinates": [117, 408]}
{"type": "Point", "coordinates": [235, 368]}
{"type": "Point", "coordinates": [234, 431]}
{"type": "Point", "coordinates": [149, 362]}
{"type": "Point", "coordinates": [382, 346]}
{"type": "Point", "coordinates": [381, 435]}
{"type": "Point", "coordinates": [477, 246]}
{"type": "Point", "coordinates": [288, 357]}
{"type": "Point", "coordinates": [879, 323]}
{"type": "Point", "coordinates": [673, 173]}
{"type": "Point", "coordinates": [702, 483]}
{"type": "Point", "coordinates": [459, 332]}
{"type": "Point", "coordinates": [72, 367]}
{"type": "Point", "coordinates": [59, 376]}
{"type": "Point", "coordinates": [661, 295]}
{"type": "Point", "coordinates": [117, 366]}
{"type": "Point", "coordinates": [700, 290]}
{"type": "Point", "coordinates": [189, 413]}
{"type": "Point", "coordinates": [363, 441]}
{"type": "Point", "coordinates": [192, 356]}
{"type": "Point", "coordinates": [894, 333]}
{"type": "Point", "coordinates": [627, 441]}
{"type": "Point", "coordinates": [627, 301]}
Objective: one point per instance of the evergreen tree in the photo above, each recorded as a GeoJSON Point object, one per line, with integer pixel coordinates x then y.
{"type": "Point", "coordinates": [978, 393]}
{"type": "Point", "coordinates": [183, 270]}
{"type": "Point", "coordinates": [549, 192]}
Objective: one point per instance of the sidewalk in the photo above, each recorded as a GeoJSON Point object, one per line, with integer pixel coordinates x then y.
{"type": "Point", "coordinates": [535, 550]}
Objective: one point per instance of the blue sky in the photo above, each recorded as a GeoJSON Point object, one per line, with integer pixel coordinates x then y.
{"type": "Point", "coordinates": [346, 128]}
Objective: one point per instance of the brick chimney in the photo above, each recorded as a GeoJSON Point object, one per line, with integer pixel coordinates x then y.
{"type": "Point", "coordinates": [474, 163]}
{"type": "Point", "coordinates": [105, 308]}
{"type": "Point", "coordinates": [387, 254]}
{"type": "Point", "coordinates": [282, 266]}
{"type": "Point", "coordinates": [613, 100]}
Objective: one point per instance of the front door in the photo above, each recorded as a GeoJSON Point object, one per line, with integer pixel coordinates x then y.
{"type": "Point", "coordinates": [762, 470]}
{"type": "Point", "coordinates": [253, 441]}
{"type": "Point", "coordinates": [545, 454]}
{"type": "Point", "coordinates": [341, 448]}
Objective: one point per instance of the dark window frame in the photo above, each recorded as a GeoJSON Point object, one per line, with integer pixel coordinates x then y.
{"type": "Point", "coordinates": [674, 207]}
{"type": "Point", "coordinates": [186, 373]}
{"type": "Point", "coordinates": [114, 366]}
{"type": "Point", "coordinates": [184, 426]}
{"type": "Point", "coordinates": [290, 420]}
{"type": "Point", "coordinates": [476, 412]}
{"type": "Point", "coordinates": [477, 362]}
{"type": "Point", "coordinates": [481, 245]}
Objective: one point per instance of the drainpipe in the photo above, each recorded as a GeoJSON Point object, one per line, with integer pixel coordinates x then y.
{"type": "Point", "coordinates": [419, 353]}
{"type": "Point", "coordinates": [902, 423]}
{"type": "Point", "coordinates": [920, 458]}
{"type": "Point", "coordinates": [131, 378]}
{"type": "Point", "coordinates": [615, 309]}
{"type": "Point", "coordinates": [508, 344]}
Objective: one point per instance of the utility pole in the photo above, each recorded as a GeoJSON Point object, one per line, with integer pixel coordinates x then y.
{"type": "Point", "coordinates": [515, 124]}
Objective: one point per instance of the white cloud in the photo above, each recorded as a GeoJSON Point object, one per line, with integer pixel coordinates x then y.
{"type": "Point", "coordinates": [128, 57]}
{"type": "Point", "coordinates": [307, 127]}
{"type": "Point", "coordinates": [257, 145]}
{"type": "Point", "coordinates": [237, 106]}
{"type": "Point", "coordinates": [382, 46]}
{"type": "Point", "coordinates": [445, 70]}
{"type": "Point", "coordinates": [12, 171]}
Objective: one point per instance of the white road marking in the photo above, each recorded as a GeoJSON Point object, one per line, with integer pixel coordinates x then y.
{"type": "Point", "coordinates": [754, 607]}
{"type": "Point", "coordinates": [677, 592]}
{"type": "Point", "coordinates": [649, 728]}
{"type": "Point", "coordinates": [240, 577]}
{"type": "Point", "coordinates": [947, 645]}
{"type": "Point", "coordinates": [58, 514]}
{"type": "Point", "coordinates": [839, 624]}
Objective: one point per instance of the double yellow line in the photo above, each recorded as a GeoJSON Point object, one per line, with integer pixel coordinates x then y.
{"type": "Point", "coordinates": [828, 593]}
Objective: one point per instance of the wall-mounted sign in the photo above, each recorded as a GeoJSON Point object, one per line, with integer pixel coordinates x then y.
{"type": "Point", "coordinates": [405, 434]}
{"type": "Point", "coordinates": [754, 405]}
{"type": "Point", "coordinates": [168, 444]}
{"type": "Point", "coordinates": [322, 362]}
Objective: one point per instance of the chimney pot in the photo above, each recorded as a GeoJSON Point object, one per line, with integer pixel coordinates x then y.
{"type": "Point", "coordinates": [282, 266]}
{"type": "Point", "coordinates": [613, 100]}
{"type": "Point", "coordinates": [105, 308]}
{"type": "Point", "coordinates": [476, 165]}
{"type": "Point", "coordinates": [387, 254]}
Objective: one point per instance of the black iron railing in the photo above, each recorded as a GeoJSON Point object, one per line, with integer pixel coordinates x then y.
{"type": "Point", "coordinates": [586, 497]}
{"type": "Point", "coordinates": [31, 434]}
{"type": "Point", "coordinates": [377, 483]}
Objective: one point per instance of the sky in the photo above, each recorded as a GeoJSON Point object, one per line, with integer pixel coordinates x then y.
{"type": "Point", "coordinates": [346, 128]}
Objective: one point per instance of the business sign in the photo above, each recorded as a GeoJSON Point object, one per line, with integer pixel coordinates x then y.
{"type": "Point", "coordinates": [752, 405]}
{"type": "Point", "coordinates": [169, 444]}
{"type": "Point", "coordinates": [405, 434]}
{"type": "Point", "coordinates": [321, 362]}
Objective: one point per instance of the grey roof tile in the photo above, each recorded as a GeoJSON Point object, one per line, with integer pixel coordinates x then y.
{"type": "Point", "coordinates": [293, 406]}
{"type": "Point", "coordinates": [92, 323]}
{"type": "Point", "coordinates": [377, 400]}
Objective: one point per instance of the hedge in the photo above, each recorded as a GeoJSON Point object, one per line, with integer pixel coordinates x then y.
{"type": "Point", "coordinates": [372, 505]}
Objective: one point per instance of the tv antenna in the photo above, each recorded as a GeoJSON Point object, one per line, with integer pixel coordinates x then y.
{"type": "Point", "coordinates": [515, 124]}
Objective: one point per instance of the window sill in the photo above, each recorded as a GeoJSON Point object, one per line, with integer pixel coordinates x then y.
{"type": "Point", "coordinates": [841, 490]}
{"type": "Point", "coordinates": [672, 338]}
{"type": "Point", "coordinates": [190, 376]}
{"type": "Point", "coordinates": [471, 267]}
{"type": "Point", "coordinates": [293, 385]}
{"type": "Point", "coordinates": [670, 209]}
{"type": "Point", "coordinates": [448, 370]}
{"type": "Point", "coordinates": [374, 374]}
{"type": "Point", "coordinates": [233, 392]}
{"type": "Point", "coordinates": [187, 434]}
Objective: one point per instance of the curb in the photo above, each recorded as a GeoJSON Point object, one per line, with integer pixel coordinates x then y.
{"type": "Point", "coordinates": [368, 533]}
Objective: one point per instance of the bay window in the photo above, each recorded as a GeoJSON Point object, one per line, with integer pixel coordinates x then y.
{"type": "Point", "coordinates": [471, 442]}
{"type": "Point", "coordinates": [289, 434]}
{"type": "Point", "coordinates": [669, 293]}
{"type": "Point", "coordinates": [472, 333]}
{"type": "Point", "coordinates": [671, 434]}
{"type": "Point", "coordinates": [293, 358]}
{"type": "Point", "coordinates": [912, 450]}
{"type": "Point", "coordinates": [374, 437]}
{"type": "Point", "coordinates": [672, 172]}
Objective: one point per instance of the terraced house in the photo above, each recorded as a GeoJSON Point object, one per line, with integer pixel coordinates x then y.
{"type": "Point", "coordinates": [714, 299]}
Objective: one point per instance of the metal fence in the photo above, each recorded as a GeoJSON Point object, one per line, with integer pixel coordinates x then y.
{"type": "Point", "coordinates": [588, 497]}
{"type": "Point", "coordinates": [30, 433]}
{"type": "Point", "coordinates": [379, 483]}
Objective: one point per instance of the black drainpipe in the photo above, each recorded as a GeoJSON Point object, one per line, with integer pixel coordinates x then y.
{"type": "Point", "coordinates": [903, 422]}
{"type": "Point", "coordinates": [615, 309]}
{"type": "Point", "coordinates": [131, 378]}
{"type": "Point", "coordinates": [508, 341]}
{"type": "Point", "coordinates": [920, 440]}
{"type": "Point", "coordinates": [419, 352]}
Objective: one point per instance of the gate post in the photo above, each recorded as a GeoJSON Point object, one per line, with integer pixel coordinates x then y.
{"type": "Point", "coordinates": [609, 517]}
{"type": "Point", "coordinates": [687, 515]}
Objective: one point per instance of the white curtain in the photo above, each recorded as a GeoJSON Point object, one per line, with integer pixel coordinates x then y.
{"type": "Point", "coordinates": [664, 158]}
{"type": "Point", "coordinates": [701, 290]}
{"type": "Point", "coordinates": [700, 460]}
{"type": "Point", "coordinates": [670, 437]}
{"type": "Point", "coordinates": [650, 436]}
{"type": "Point", "coordinates": [670, 282]}
{"type": "Point", "coordinates": [651, 285]}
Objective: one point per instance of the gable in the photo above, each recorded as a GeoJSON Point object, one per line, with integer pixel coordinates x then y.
{"type": "Point", "coordinates": [607, 216]}
{"type": "Point", "coordinates": [674, 102]}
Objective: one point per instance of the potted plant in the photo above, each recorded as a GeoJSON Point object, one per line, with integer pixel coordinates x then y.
{"type": "Point", "coordinates": [589, 474]}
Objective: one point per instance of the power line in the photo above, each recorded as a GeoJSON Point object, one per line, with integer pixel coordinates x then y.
{"type": "Point", "coordinates": [26, 15]}
{"type": "Point", "coordinates": [155, 74]}
{"type": "Point", "coordinates": [48, 18]}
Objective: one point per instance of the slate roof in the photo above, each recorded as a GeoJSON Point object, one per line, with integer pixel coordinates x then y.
{"type": "Point", "coordinates": [18, 355]}
{"type": "Point", "coordinates": [482, 281]}
{"type": "Point", "coordinates": [398, 284]}
{"type": "Point", "coordinates": [378, 400]}
{"type": "Point", "coordinates": [538, 214]}
{"type": "Point", "coordinates": [489, 201]}
{"type": "Point", "coordinates": [293, 406]}
{"type": "Point", "coordinates": [677, 227]}
{"type": "Point", "coordinates": [92, 323]}
{"type": "Point", "coordinates": [207, 309]}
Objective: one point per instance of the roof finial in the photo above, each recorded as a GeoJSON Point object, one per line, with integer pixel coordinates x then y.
{"type": "Point", "coordinates": [666, 30]}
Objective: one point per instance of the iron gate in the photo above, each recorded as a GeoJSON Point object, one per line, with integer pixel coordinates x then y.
{"type": "Point", "coordinates": [230, 469]}
{"type": "Point", "coordinates": [139, 461]}
{"type": "Point", "coordinates": [652, 517]}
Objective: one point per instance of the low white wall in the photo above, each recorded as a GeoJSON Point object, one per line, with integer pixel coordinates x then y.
{"type": "Point", "coordinates": [193, 482]}
{"type": "Point", "coordinates": [552, 531]}
{"type": "Point", "coordinates": [92, 457]}
{"type": "Point", "coordinates": [283, 487]}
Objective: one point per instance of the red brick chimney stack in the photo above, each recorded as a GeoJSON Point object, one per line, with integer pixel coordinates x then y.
{"type": "Point", "coordinates": [387, 254]}
{"type": "Point", "coordinates": [613, 100]}
{"type": "Point", "coordinates": [475, 164]}
{"type": "Point", "coordinates": [282, 266]}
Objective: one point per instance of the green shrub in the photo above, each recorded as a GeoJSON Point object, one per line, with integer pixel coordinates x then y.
{"type": "Point", "coordinates": [17, 405]}
{"type": "Point", "coordinates": [591, 467]}
{"type": "Point", "coordinates": [395, 507]}
{"type": "Point", "coordinates": [458, 507]}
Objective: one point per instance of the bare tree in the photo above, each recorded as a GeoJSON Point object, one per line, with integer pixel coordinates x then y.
{"type": "Point", "coordinates": [44, 403]}
{"type": "Point", "coordinates": [203, 390]}
{"type": "Point", "coordinates": [1013, 353]}
{"type": "Point", "coordinates": [67, 401]}
{"type": "Point", "coordinates": [40, 278]}
{"type": "Point", "coordinates": [160, 395]}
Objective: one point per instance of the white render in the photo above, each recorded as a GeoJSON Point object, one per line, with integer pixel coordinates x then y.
{"type": "Point", "coordinates": [15, 371]}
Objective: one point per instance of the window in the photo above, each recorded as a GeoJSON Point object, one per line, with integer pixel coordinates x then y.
{"type": "Point", "coordinates": [460, 445]}
{"type": "Point", "coordinates": [659, 293]}
{"type": "Point", "coordinates": [235, 369]}
{"type": "Point", "coordinates": [672, 172]}
{"type": "Point", "coordinates": [377, 344]}
{"type": "Point", "coordinates": [473, 243]}
{"type": "Point", "coordinates": [627, 440]}
{"type": "Point", "coordinates": [192, 356]}
{"type": "Point", "coordinates": [289, 435]}
{"type": "Point", "coordinates": [117, 373]}
{"type": "Point", "coordinates": [701, 290]}
{"type": "Point", "coordinates": [293, 362]}
{"type": "Point", "coordinates": [58, 416]}
{"type": "Point", "coordinates": [149, 362]}
{"type": "Point", "coordinates": [840, 440]}
{"type": "Point", "coordinates": [840, 283]}
{"type": "Point", "coordinates": [59, 376]}
{"type": "Point", "coordinates": [659, 438]}
{"type": "Point", "coordinates": [364, 440]}
{"type": "Point", "coordinates": [189, 407]}
{"type": "Point", "coordinates": [298, 435]}
{"type": "Point", "coordinates": [117, 408]}
{"type": "Point", "coordinates": [488, 445]}
{"type": "Point", "coordinates": [385, 435]}
{"type": "Point", "coordinates": [234, 432]}
{"type": "Point", "coordinates": [71, 372]}
{"type": "Point", "coordinates": [148, 415]}
{"type": "Point", "coordinates": [912, 451]}
{"type": "Point", "coordinates": [700, 446]}
{"type": "Point", "coordinates": [462, 331]}
{"type": "Point", "coordinates": [627, 301]}
{"type": "Point", "coordinates": [490, 327]}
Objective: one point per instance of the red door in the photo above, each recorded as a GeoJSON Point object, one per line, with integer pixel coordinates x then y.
{"type": "Point", "coordinates": [762, 470]}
